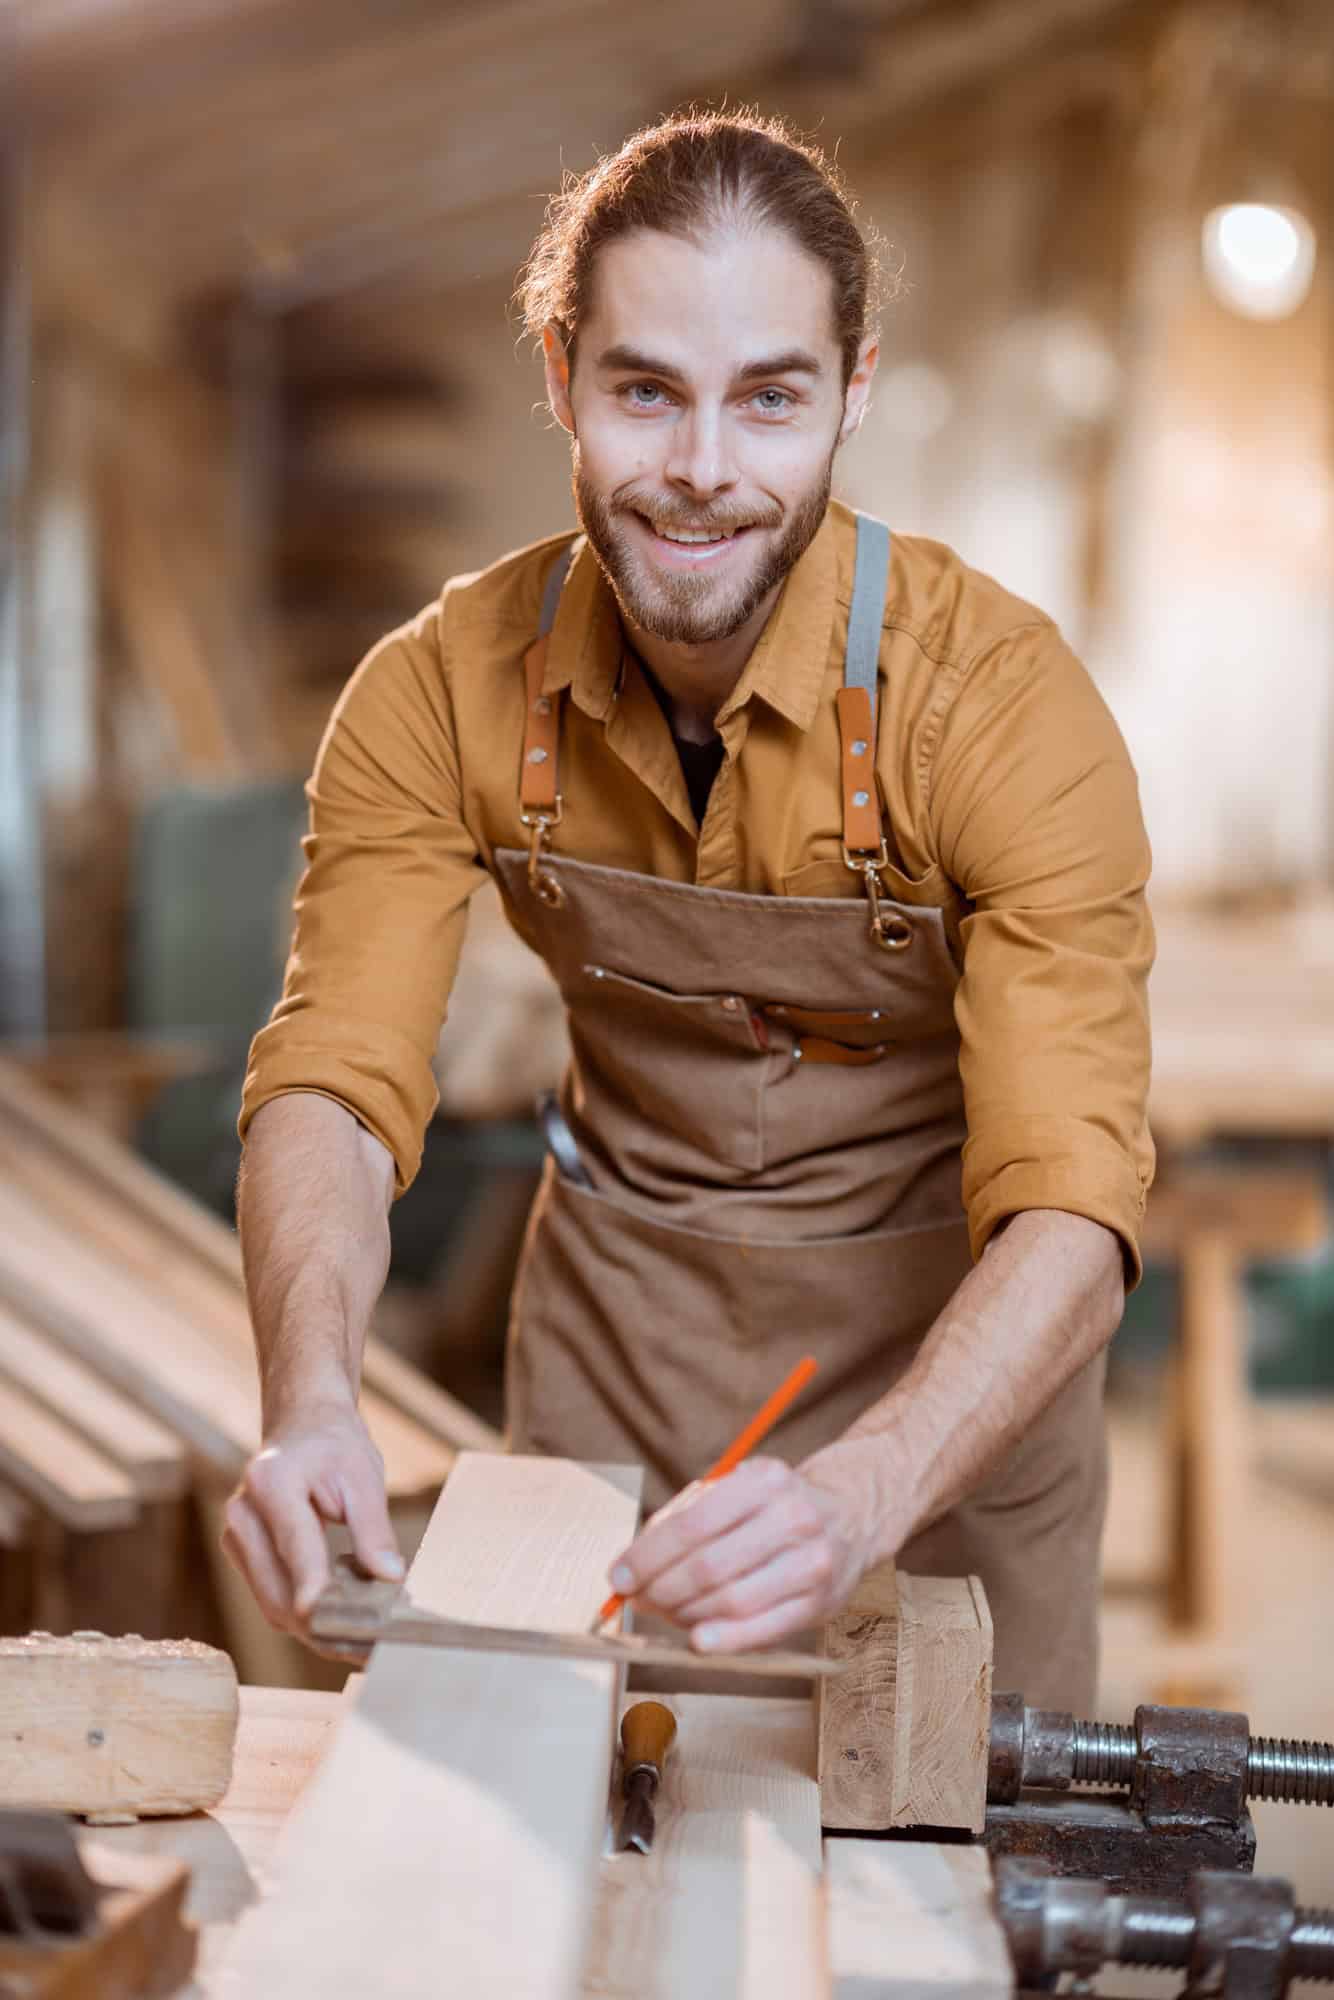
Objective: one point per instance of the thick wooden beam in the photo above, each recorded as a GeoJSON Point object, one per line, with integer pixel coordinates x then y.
{"type": "Point", "coordinates": [453, 1832]}
{"type": "Point", "coordinates": [913, 1921]}
{"type": "Point", "coordinates": [66, 1476]}
{"type": "Point", "coordinates": [905, 1729]}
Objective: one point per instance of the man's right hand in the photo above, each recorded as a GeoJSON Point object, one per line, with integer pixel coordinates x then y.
{"type": "Point", "coordinates": [319, 1466]}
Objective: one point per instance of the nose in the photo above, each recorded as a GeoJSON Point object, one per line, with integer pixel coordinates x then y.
{"type": "Point", "coordinates": [701, 462]}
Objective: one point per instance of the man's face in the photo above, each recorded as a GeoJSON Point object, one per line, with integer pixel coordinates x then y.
{"type": "Point", "coordinates": [706, 407]}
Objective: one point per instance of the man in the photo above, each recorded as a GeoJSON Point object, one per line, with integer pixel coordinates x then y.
{"type": "Point", "coordinates": [836, 856]}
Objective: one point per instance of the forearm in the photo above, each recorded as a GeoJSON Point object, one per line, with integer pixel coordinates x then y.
{"type": "Point", "coordinates": [313, 1207]}
{"type": "Point", "coordinates": [1042, 1302]}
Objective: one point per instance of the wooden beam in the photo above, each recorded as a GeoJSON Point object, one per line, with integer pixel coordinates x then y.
{"type": "Point", "coordinates": [913, 1921]}
{"type": "Point", "coordinates": [66, 1476]}
{"type": "Point", "coordinates": [904, 1731]}
{"type": "Point", "coordinates": [90, 1724]}
{"type": "Point", "coordinates": [165, 1235]}
{"type": "Point", "coordinates": [454, 1828]}
{"type": "Point", "coordinates": [146, 1450]}
{"type": "Point", "coordinates": [729, 1899]}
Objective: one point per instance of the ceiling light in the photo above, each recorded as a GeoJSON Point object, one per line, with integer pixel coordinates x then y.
{"type": "Point", "coordinates": [1259, 259]}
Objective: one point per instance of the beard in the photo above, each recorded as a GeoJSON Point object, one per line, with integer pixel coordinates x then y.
{"type": "Point", "coordinates": [681, 608]}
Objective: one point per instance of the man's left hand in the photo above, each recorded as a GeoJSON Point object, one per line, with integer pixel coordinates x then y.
{"type": "Point", "coordinates": [747, 1560]}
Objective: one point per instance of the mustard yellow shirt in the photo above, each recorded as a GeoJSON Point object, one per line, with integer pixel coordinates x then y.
{"type": "Point", "coordinates": [1011, 801]}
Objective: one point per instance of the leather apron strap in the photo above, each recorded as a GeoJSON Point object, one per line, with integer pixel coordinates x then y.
{"type": "Point", "coordinates": [540, 803]}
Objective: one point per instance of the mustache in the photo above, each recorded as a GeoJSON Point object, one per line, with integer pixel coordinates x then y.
{"type": "Point", "coordinates": [671, 512]}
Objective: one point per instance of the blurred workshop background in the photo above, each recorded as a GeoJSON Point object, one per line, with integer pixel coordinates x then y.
{"type": "Point", "coordinates": [261, 392]}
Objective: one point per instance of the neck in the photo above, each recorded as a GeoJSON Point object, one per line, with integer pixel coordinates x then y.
{"type": "Point", "coordinates": [698, 679]}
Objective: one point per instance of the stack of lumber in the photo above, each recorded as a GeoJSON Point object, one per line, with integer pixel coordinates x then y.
{"type": "Point", "coordinates": [128, 1388]}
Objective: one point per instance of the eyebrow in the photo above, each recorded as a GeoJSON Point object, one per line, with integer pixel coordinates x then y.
{"type": "Point", "coordinates": [632, 360]}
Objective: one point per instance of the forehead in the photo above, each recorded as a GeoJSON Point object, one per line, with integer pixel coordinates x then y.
{"type": "Point", "coordinates": [737, 291]}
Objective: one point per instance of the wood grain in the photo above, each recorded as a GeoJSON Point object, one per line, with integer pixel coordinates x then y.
{"type": "Point", "coordinates": [457, 1820]}
{"type": "Point", "coordinates": [727, 1901]}
{"type": "Point", "coordinates": [912, 1920]}
{"type": "Point", "coordinates": [904, 1732]}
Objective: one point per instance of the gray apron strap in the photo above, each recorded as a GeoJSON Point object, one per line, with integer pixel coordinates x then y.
{"type": "Point", "coordinates": [555, 583]}
{"type": "Point", "coordinates": [870, 585]}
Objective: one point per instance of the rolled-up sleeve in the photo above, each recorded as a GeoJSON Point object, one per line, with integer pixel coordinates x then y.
{"type": "Point", "coordinates": [381, 906]}
{"type": "Point", "coordinates": [1036, 811]}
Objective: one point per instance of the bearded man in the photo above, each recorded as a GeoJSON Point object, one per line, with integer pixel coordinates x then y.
{"type": "Point", "coordinates": [836, 856]}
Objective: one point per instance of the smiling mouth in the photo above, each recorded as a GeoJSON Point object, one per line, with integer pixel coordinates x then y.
{"type": "Point", "coordinates": [693, 544]}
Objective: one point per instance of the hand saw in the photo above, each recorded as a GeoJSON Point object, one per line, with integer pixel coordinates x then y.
{"type": "Point", "coordinates": [356, 1612]}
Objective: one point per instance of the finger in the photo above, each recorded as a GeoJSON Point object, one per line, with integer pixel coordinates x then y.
{"type": "Point", "coordinates": [288, 1511]}
{"type": "Point", "coordinates": [789, 1520]}
{"type": "Point", "coordinates": [793, 1572]}
{"type": "Point", "coordinates": [742, 1635]}
{"type": "Point", "coordinates": [670, 1535]}
{"type": "Point", "coordinates": [245, 1540]}
{"type": "Point", "coordinates": [366, 1512]}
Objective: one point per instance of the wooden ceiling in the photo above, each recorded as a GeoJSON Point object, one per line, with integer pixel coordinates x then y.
{"type": "Point", "coordinates": [299, 150]}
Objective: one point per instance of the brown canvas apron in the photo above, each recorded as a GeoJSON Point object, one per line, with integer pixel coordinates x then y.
{"type": "Point", "coordinates": [766, 1102]}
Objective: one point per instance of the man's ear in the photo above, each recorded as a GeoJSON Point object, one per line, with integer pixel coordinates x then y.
{"type": "Point", "coordinates": [556, 362]}
{"type": "Point", "coordinates": [859, 387]}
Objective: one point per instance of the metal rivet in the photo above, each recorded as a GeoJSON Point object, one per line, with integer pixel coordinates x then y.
{"type": "Point", "coordinates": [779, 1012]}
{"type": "Point", "coordinates": [858, 798]}
{"type": "Point", "coordinates": [859, 747]}
{"type": "Point", "coordinates": [96, 1738]}
{"type": "Point", "coordinates": [731, 1005]}
{"type": "Point", "coordinates": [597, 972]}
{"type": "Point", "coordinates": [796, 1053]}
{"type": "Point", "coordinates": [542, 706]}
{"type": "Point", "coordinates": [875, 1013]}
{"type": "Point", "coordinates": [538, 756]}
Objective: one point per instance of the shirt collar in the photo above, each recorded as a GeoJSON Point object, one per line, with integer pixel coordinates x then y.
{"type": "Point", "coordinates": [787, 668]}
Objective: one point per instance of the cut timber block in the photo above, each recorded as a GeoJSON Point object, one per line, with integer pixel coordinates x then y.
{"type": "Point", "coordinates": [911, 1920]}
{"type": "Point", "coordinates": [905, 1729]}
{"type": "Point", "coordinates": [95, 1725]}
{"type": "Point", "coordinates": [728, 1900]}
{"type": "Point", "coordinates": [450, 1839]}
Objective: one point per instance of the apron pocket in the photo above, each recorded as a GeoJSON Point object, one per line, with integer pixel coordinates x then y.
{"type": "Point", "coordinates": [655, 1056]}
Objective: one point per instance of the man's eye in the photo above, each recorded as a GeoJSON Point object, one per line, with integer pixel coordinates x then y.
{"type": "Point", "coordinates": [772, 401]}
{"type": "Point", "coordinates": [643, 395]}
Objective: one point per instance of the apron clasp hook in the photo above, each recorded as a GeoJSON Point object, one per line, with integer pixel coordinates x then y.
{"type": "Point", "coordinates": [890, 932]}
{"type": "Point", "coordinates": [541, 880]}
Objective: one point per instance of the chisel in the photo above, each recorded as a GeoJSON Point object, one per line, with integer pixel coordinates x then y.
{"type": "Point", "coordinates": [648, 1731]}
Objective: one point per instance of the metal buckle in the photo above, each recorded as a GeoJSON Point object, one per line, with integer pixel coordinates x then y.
{"type": "Point", "coordinates": [890, 933]}
{"type": "Point", "coordinates": [540, 880]}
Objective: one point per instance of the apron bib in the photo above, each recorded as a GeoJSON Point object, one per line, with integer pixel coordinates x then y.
{"type": "Point", "coordinates": [765, 1098]}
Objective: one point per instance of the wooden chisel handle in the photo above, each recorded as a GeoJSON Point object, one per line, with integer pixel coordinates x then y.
{"type": "Point", "coordinates": [648, 1731]}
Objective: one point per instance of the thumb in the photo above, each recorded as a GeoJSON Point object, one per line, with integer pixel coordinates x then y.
{"type": "Point", "coordinates": [366, 1514]}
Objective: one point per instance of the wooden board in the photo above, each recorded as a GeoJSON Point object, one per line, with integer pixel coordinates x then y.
{"type": "Point", "coordinates": [904, 1732]}
{"type": "Point", "coordinates": [90, 1724]}
{"type": "Point", "coordinates": [152, 1455]}
{"type": "Point", "coordinates": [728, 1900]}
{"type": "Point", "coordinates": [912, 1920]}
{"type": "Point", "coordinates": [173, 1238]}
{"type": "Point", "coordinates": [453, 1830]}
{"type": "Point", "coordinates": [67, 1477]}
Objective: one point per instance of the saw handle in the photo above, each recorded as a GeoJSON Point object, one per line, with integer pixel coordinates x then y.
{"type": "Point", "coordinates": [648, 1731]}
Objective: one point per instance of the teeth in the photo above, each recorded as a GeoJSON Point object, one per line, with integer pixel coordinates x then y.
{"type": "Point", "coordinates": [690, 535]}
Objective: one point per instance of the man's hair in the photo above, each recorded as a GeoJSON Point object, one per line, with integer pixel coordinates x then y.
{"type": "Point", "coordinates": [692, 173]}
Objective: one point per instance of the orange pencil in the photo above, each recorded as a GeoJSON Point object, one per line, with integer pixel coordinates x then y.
{"type": "Point", "coordinates": [744, 1443]}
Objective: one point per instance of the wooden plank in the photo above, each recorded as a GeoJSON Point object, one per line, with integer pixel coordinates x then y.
{"type": "Point", "coordinates": [152, 1455]}
{"type": "Point", "coordinates": [728, 1900]}
{"type": "Point", "coordinates": [90, 1724]}
{"type": "Point", "coordinates": [67, 1477]}
{"type": "Point", "coordinates": [454, 1828]}
{"type": "Point", "coordinates": [912, 1920]}
{"type": "Point", "coordinates": [164, 1233]}
{"type": "Point", "coordinates": [904, 1732]}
